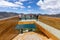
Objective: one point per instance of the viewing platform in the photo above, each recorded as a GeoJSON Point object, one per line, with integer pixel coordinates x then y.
{"type": "Point", "coordinates": [43, 30]}
{"type": "Point", "coordinates": [31, 36]}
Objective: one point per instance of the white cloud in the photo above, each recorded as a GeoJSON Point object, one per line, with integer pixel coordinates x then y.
{"type": "Point", "coordinates": [14, 8]}
{"type": "Point", "coordinates": [29, 6]}
{"type": "Point", "coordinates": [20, 3]}
{"type": "Point", "coordinates": [30, 10]}
{"type": "Point", "coordinates": [22, 6]}
{"type": "Point", "coordinates": [51, 5]}
{"type": "Point", "coordinates": [7, 4]}
{"type": "Point", "coordinates": [4, 3]}
{"type": "Point", "coordinates": [23, 0]}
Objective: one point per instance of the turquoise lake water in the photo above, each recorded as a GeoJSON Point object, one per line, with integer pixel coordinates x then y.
{"type": "Point", "coordinates": [25, 26]}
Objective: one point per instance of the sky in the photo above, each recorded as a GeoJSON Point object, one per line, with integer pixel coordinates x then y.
{"type": "Point", "coordinates": [30, 6]}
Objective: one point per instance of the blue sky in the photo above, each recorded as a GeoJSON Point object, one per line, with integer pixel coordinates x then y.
{"type": "Point", "coordinates": [30, 6]}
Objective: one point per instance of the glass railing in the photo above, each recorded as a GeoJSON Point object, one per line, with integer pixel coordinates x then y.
{"type": "Point", "coordinates": [28, 18]}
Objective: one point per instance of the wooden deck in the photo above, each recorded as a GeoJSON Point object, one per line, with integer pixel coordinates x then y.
{"type": "Point", "coordinates": [52, 21]}
{"type": "Point", "coordinates": [8, 31]}
{"type": "Point", "coordinates": [7, 28]}
{"type": "Point", "coordinates": [31, 36]}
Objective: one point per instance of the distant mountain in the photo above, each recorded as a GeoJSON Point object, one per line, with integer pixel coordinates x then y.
{"type": "Point", "coordinates": [7, 14]}
{"type": "Point", "coordinates": [52, 15]}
